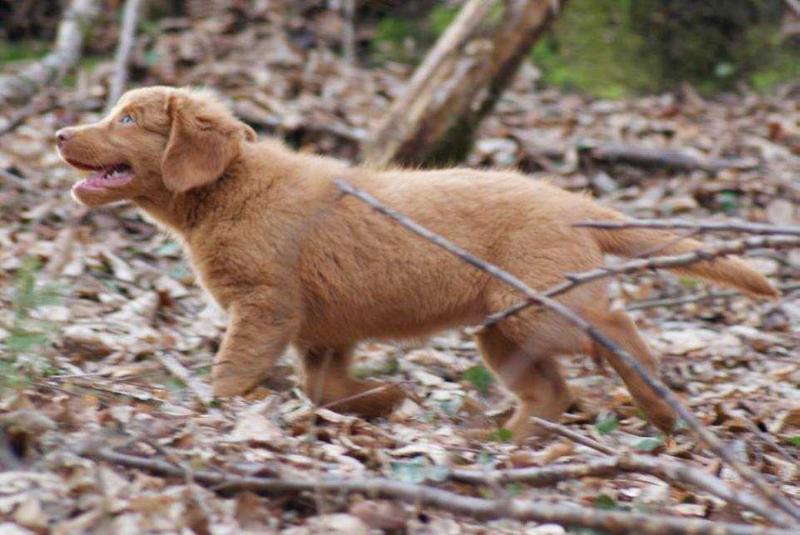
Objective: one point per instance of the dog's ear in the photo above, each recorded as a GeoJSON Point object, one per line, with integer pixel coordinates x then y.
{"type": "Point", "coordinates": [249, 133]}
{"type": "Point", "coordinates": [201, 145]}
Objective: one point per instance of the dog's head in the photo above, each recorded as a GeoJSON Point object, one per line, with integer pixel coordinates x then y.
{"type": "Point", "coordinates": [155, 139]}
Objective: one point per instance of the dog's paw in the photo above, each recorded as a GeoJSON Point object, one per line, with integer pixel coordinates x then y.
{"type": "Point", "coordinates": [226, 381]}
{"type": "Point", "coordinates": [371, 400]}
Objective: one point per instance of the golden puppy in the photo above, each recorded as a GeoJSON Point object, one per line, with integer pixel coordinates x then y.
{"type": "Point", "coordinates": [292, 263]}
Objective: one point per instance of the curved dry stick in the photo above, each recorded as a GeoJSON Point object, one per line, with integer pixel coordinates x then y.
{"type": "Point", "coordinates": [747, 473]}
{"type": "Point", "coordinates": [523, 510]}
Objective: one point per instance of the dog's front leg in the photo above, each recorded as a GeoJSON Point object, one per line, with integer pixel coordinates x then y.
{"type": "Point", "coordinates": [261, 326]}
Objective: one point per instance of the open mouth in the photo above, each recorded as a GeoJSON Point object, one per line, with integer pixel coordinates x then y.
{"type": "Point", "coordinates": [104, 177]}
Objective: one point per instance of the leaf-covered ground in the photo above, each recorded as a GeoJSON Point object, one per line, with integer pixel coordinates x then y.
{"type": "Point", "coordinates": [105, 338]}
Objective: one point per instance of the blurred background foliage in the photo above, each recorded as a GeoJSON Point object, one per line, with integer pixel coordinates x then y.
{"type": "Point", "coordinates": [605, 48]}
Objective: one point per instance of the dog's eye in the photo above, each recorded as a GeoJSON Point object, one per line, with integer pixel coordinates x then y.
{"type": "Point", "coordinates": [127, 119]}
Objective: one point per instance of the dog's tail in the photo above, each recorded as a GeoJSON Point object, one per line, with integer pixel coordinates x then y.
{"type": "Point", "coordinates": [631, 242]}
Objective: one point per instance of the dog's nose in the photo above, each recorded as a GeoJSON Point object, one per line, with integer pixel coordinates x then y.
{"type": "Point", "coordinates": [62, 136]}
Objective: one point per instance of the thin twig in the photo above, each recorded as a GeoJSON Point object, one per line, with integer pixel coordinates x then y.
{"type": "Point", "coordinates": [655, 384]}
{"type": "Point", "coordinates": [554, 427]}
{"type": "Point", "coordinates": [523, 510]}
{"type": "Point", "coordinates": [669, 471]}
{"type": "Point", "coordinates": [643, 264]}
{"type": "Point", "coordinates": [705, 226]}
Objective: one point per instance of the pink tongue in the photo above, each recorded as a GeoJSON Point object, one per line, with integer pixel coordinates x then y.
{"type": "Point", "coordinates": [95, 179]}
{"type": "Point", "coordinates": [105, 178]}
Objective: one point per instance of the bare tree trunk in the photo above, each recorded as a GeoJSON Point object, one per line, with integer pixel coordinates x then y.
{"type": "Point", "coordinates": [19, 88]}
{"type": "Point", "coordinates": [459, 81]}
{"type": "Point", "coordinates": [127, 40]}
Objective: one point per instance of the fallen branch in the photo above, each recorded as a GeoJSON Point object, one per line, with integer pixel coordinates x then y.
{"type": "Point", "coordinates": [611, 153]}
{"type": "Point", "coordinates": [127, 39]}
{"type": "Point", "coordinates": [644, 264]}
{"type": "Point", "coordinates": [679, 160]}
{"type": "Point", "coordinates": [523, 510]}
{"type": "Point", "coordinates": [669, 471]}
{"type": "Point", "coordinates": [655, 384]}
{"type": "Point", "coordinates": [705, 226]}
{"type": "Point", "coordinates": [76, 21]}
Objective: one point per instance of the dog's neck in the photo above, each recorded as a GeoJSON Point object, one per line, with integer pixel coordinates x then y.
{"type": "Point", "coordinates": [176, 212]}
{"type": "Point", "coordinates": [181, 213]}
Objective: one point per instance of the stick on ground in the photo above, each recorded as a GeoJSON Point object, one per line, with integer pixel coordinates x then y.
{"type": "Point", "coordinates": [524, 510]}
{"type": "Point", "coordinates": [666, 470]}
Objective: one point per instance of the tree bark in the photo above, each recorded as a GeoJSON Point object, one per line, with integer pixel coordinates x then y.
{"type": "Point", "coordinates": [19, 88]}
{"type": "Point", "coordinates": [127, 40]}
{"type": "Point", "coordinates": [459, 81]}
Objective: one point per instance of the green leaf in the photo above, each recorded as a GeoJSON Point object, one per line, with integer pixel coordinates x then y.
{"type": "Point", "coordinates": [794, 440]}
{"type": "Point", "coordinates": [724, 69]}
{"type": "Point", "coordinates": [681, 425]}
{"type": "Point", "coordinates": [451, 406]}
{"type": "Point", "coordinates": [417, 471]}
{"type": "Point", "coordinates": [408, 471]}
{"type": "Point", "coordinates": [387, 367]}
{"type": "Point", "coordinates": [514, 489]}
{"type": "Point", "coordinates": [649, 444]}
{"type": "Point", "coordinates": [485, 459]}
{"type": "Point", "coordinates": [480, 378]}
{"type": "Point", "coordinates": [175, 384]}
{"type": "Point", "coordinates": [169, 249]}
{"type": "Point", "coordinates": [501, 435]}
{"type": "Point", "coordinates": [728, 200]}
{"type": "Point", "coordinates": [24, 341]}
{"type": "Point", "coordinates": [688, 283]}
{"type": "Point", "coordinates": [437, 473]}
{"type": "Point", "coordinates": [607, 424]}
{"type": "Point", "coordinates": [605, 502]}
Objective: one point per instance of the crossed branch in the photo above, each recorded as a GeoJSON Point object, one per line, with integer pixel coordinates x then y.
{"type": "Point", "coordinates": [787, 513]}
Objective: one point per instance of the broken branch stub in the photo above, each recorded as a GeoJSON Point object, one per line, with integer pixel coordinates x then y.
{"type": "Point", "coordinates": [459, 81]}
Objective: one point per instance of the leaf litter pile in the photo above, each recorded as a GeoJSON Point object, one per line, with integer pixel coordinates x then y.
{"type": "Point", "coordinates": [106, 341]}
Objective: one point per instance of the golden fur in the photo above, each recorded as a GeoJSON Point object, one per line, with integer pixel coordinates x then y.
{"type": "Point", "coordinates": [293, 263]}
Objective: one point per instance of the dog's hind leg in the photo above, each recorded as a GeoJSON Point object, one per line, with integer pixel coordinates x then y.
{"type": "Point", "coordinates": [531, 372]}
{"type": "Point", "coordinates": [621, 329]}
{"type": "Point", "coordinates": [329, 383]}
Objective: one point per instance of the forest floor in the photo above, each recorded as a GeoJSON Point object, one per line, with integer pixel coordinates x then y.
{"type": "Point", "coordinates": [108, 341]}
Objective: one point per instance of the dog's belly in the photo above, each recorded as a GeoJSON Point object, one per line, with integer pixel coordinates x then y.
{"type": "Point", "coordinates": [354, 325]}
{"type": "Point", "coordinates": [391, 308]}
